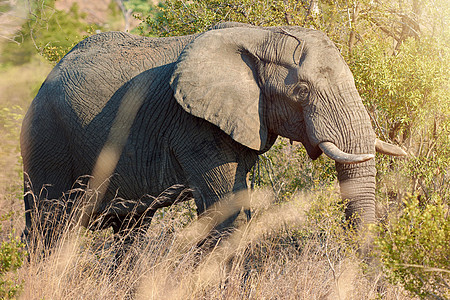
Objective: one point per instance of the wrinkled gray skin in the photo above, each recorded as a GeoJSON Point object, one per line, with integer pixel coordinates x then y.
{"type": "Point", "coordinates": [206, 104]}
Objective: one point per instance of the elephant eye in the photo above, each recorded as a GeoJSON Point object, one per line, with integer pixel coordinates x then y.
{"type": "Point", "coordinates": [301, 91]}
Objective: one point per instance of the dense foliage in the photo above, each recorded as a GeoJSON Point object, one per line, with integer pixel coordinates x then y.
{"type": "Point", "coordinates": [407, 96]}
{"type": "Point", "coordinates": [49, 31]}
{"type": "Point", "coordinates": [12, 255]}
{"type": "Point", "coordinates": [415, 248]}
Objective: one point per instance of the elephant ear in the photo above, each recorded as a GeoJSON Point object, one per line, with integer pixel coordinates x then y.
{"type": "Point", "coordinates": [216, 79]}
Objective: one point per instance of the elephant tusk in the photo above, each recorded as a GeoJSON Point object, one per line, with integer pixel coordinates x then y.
{"type": "Point", "coordinates": [388, 149]}
{"type": "Point", "coordinates": [333, 152]}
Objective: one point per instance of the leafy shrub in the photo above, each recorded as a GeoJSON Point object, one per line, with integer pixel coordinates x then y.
{"type": "Point", "coordinates": [415, 248]}
{"type": "Point", "coordinates": [12, 255]}
{"type": "Point", "coordinates": [49, 31]}
{"type": "Point", "coordinates": [406, 93]}
{"type": "Point", "coordinates": [405, 88]}
{"type": "Point", "coordinates": [178, 17]}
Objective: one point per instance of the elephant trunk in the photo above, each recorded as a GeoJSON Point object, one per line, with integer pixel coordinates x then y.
{"type": "Point", "coordinates": [345, 134]}
{"type": "Point", "coordinates": [357, 185]}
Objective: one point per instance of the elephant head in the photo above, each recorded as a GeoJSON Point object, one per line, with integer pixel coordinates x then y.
{"type": "Point", "coordinates": [255, 84]}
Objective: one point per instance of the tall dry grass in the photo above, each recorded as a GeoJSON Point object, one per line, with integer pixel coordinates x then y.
{"type": "Point", "coordinates": [295, 250]}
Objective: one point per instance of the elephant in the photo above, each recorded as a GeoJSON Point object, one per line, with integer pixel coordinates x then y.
{"type": "Point", "coordinates": [139, 115]}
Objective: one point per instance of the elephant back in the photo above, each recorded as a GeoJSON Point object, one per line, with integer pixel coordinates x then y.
{"type": "Point", "coordinates": [99, 65]}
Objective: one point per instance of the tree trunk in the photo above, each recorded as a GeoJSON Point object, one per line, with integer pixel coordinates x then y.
{"type": "Point", "coordinates": [352, 37]}
{"type": "Point", "coordinates": [287, 13]}
{"type": "Point", "coordinates": [313, 9]}
{"type": "Point", "coordinates": [126, 14]}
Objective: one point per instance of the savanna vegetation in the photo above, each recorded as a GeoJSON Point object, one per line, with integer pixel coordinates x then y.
{"type": "Point", "coordinates": [295, 247]}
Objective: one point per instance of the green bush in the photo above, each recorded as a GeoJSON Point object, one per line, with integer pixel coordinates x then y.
{"type": "Point", "coordinates": [403, 89]}
{"type": "Point", "coordinates": [415, 248]}
{"type": "Point", "coordinates": [12, 255]}
{"type": "Point", "coordinates": [406, 93]}
{"type": "Point", "coordinates": [178, 17]}
{"type": "Point", "coordinates": [48, 31]}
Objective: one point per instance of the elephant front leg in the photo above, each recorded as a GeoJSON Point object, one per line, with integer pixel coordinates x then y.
{"type": "Point", "coordinates": [222, 198]}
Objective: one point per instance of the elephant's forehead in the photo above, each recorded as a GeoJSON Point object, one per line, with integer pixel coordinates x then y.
{"type": "Point", "coordinates": [321, 59]}
{"type": "Point", "coordinates": [324, 64]}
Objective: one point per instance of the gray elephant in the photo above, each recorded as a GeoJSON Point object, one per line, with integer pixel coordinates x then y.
{"type": "Point", "coordinates": [145, 114]}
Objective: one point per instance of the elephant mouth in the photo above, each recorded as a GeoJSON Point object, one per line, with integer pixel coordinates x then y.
{"type": "Point", "coordinates": [313, 152]}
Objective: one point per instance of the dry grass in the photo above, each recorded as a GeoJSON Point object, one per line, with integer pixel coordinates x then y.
{"type": "Point", "coordinates": [285, 252]}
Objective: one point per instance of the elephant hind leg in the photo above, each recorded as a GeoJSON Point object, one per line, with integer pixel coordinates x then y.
{"type": "Point", "coordinates": [130, 218]}
{"type": "Point", "coordinates": [127, 228]}
{"type": "Point", "coordinates": [47, 184]}
{"type": "Point", "coordinates": [123, 214]}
